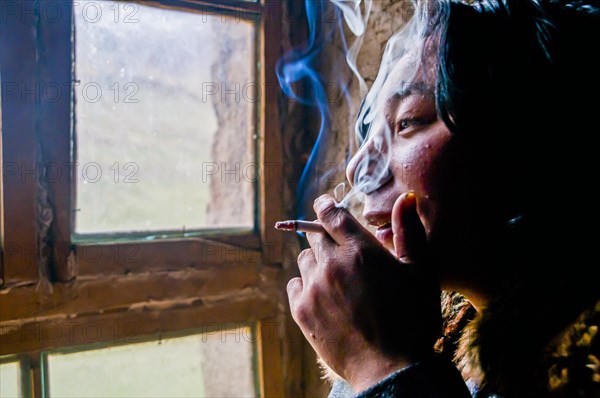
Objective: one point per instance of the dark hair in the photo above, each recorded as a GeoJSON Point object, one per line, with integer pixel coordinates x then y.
{"type": "Point", "coordinates": [518, 83]}
{"type": "Point", "coordinates": [490, 50]}
{"type": "Point", "coordinates": [521, 77]}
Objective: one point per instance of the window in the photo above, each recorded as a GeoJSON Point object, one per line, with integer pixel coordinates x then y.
{"type": "Point", "coordinates": [14, 381]}
{"type": "Point", "coordinates": [137, 210]}
{"type": "Point", "coordinates": [191, 366]}
{"type": "Point", "coordinates": [165, 119]}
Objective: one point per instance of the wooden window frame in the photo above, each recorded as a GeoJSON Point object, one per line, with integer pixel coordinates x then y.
{"type": "Point", "coordinates": [49, 281]}
{"type": "Point", "coordinates": [24, 381]}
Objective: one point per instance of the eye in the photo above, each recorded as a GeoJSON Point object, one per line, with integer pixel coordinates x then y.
{"type": "Point", "coordinates": [405, 124]}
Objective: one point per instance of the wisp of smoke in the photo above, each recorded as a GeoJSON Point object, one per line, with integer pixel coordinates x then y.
{"type": "Point", "coordinates": [371, 129]}
{"type": "Point", "coordinates": [400, 62]}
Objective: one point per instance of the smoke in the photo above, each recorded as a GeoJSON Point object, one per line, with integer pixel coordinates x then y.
{"type": "Point", "coordinates": [371, 130]}
{"type": "Point", "coordinates": [400, 64]}
{"type": "Point", "coordinates": [301, 78]}
{"type": "Point", "coordinates": [357, 23]}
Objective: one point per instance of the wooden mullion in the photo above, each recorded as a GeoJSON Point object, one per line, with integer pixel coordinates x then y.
{"type": "Point", "coordinates": [1, 209]}
{"type": "Point", "coordinates": [55, 66]}
{"type": "Point", "coordinates": [31, 379]}
{"type": "Point", "coordinates": [271, 149]}
{"type": "Point", "coordinates": [20, 93]}
{"type": "Point", "coordinates": [272, 363]}
{"type": "Point", "coordinates": [270, 366]}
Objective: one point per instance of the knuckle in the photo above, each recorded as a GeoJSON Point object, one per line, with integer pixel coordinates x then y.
{"type": "Point", "coordinates": [341, 222]}
{"type": "Point", "coordinates": [324, 207]}
{"type": "Point", "coordinates": [302, 313]}
{"type": "Point", "coordinates": [292, 286]}
{"type": "Point", "coordinates": [304, 255]}
{"type": "Point", "coordinates": [338, 218]}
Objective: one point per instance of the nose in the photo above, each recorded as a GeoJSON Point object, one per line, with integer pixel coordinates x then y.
{"type": "Point", "coordinates": [352, 166]}
{"type": "Point", "coordinates": [369, 169]}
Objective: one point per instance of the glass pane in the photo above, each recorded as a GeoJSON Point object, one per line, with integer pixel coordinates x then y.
{"type": "Point", "coordinates": [215, 364]}
{"type": "Point", "coordinates": [165, 119]}
{"type": "Point", "coordinates": [9, 380]}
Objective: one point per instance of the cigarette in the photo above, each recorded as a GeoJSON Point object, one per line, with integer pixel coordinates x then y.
{"type": "Point", "coordinates": [300, 226]}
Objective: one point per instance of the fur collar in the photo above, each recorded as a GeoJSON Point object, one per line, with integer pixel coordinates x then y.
{"type": "Point", "coordinates": [521, 347]}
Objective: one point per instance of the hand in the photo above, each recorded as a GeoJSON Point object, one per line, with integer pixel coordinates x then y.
{"type": "Point", "coordinates": [365, 313]}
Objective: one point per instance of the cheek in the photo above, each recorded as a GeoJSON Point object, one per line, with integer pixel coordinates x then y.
{"type": "Point", "coordinates": [421, 162]}
{"type": "Point", "coordinates": [422, 165]}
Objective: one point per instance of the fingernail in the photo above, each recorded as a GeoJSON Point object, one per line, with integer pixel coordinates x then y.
{"type": "Point", "coordinates": [410, 200]}
{"type": "Point", "coordinates": [323, 202]}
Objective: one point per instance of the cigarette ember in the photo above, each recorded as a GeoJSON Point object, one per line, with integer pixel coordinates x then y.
{"type": "Point", "coordinates": [300, 226]}
{"type": "Point", "coordinates": [285, 226]}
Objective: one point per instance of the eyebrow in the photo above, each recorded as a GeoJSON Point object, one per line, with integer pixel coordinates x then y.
{"type": "Point", "coordinates": [406, 90]}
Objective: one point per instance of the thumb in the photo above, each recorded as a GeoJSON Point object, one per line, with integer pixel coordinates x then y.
{"type": "Point", "coordinates": [337, 221]}
{"type": "Point", "coordinates": [410, 240]}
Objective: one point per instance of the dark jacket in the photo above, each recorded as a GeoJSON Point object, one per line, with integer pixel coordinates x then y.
{"type": "Point", "coordinates": [500, 351]}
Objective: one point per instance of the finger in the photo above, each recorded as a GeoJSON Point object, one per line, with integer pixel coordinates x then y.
{"type": "Point", "coordinates": [337, 221]}
{"type": "Point", "coordinates": [294, 290]}
{"type": "Point", "coordinates": [410, 240]}
{"type": "Point", "coordinates": [307, 264]}
{"type": "Point", "coordinates": [320, 241]}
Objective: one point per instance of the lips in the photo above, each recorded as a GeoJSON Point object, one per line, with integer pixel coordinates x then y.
{"type": "Point", "coordinates": [379, 221]}
{"type": "Point", "coordinates": [383, 222]}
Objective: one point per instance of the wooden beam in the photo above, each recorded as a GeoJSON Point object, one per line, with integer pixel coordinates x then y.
{"type": "Point", "coordinates": [232, 8]}
{"type": "Point", "coordinates": [153, 289]}
{"type": "Point", "coordinates": [161, 255]}
{"type": "Point", "coordinates": [132, 326]}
